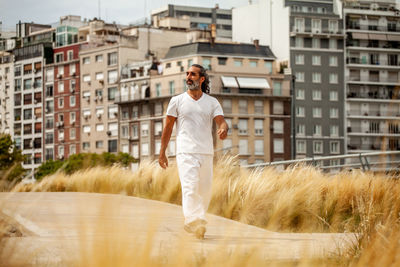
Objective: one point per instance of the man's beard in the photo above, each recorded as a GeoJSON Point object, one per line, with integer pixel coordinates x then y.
{"type": "Point", "coordinates": [194, 86]}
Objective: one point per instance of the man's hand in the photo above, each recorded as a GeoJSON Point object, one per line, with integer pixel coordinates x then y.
{"type": "Point", "coordinates": [222, 133]}
{"type": "Point", "coordinates": [163, 161]}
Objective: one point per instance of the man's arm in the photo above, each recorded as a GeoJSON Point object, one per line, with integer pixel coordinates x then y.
{"type": "Point", "coordinates": [166, 135]}
{"type": "Point", "coordinates": [222, 127]}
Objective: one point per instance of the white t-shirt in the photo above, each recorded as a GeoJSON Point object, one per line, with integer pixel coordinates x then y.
{"type": "Point", "coordinates": [194, 122]}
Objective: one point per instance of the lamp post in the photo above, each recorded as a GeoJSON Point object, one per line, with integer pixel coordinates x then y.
{"type": "Point", "coordinates": [293, 117]}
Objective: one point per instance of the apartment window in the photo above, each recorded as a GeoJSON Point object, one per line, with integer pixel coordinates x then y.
{"type": "Point", "coordinates": [333, 96]}
{"type": "Point", "coordinates": [332, 43]}
{"type": "Point", "coordinates": [72, 149]}
{"type": "Point", "coordinates": [242, 106]}
{"type": "Point", "coordinates": [125, 131]}
{"type": "Point", "coordinates": [70, 54]}
{"type": "Point", "coordinates": [99, 127]}
{"type": "Point", "coordinates": [17, 85]}
{"type": "Point", "coordinates": [317, 130]}
{"type": "Point", "coordinates": [158, 109]}
{"type": "Point", "coordinates": [72, 133]}
{"type": "Point", "coordinates": [237, 62]}
{"type": "Point", "coordinates": [243, 147]}
{"type": "Point", "coordinates": [334, 113]}
{"type": "Point", "coordinates": [72, 117]}
{"type": "Point", "coordinates": [61, 117]}
{"type": "Point", "coordinates": [301, 146]}
{"type": "Point", "coordinates": [299, 76]}
{"type": "Point", "coordinates": [144, 129]}
{"type": "Point", "coordinates": [99, 112]}
{"type": "Point", "coordinates": [316, 60]}
{"type": "Point", "coordinates": [207, 63]}
{"type": "Point", "coordinates": [334, 147]}
{"type": "Point", "coordinates": [72, 85]}
{"type": "Point", "coordinates": [277, 88]}
{"type": "Point", "coordinates": [61, 102]}
{"type": "Point", "coordinates": [59, 57]}
{"type": "Point", "coordinates": [333, 78]}
{"type": "Point", "coordinates": [333, 26]}
{"type": "Point", "coordinates": [333, 61]}
{"type": "Point", "coordinates": [86, 78]}
{"type": "Point", "coordinates": [135, 112]}
{"type": "Point", "coordinates": [112, 76]}
{"type": "Point", "coordinates": [243, 126]}
{"type": "Point", "coordinates": [253, 63]}
{"type": "Point", "coordinates": [229, 122]}
{"type": "Point", "coordinates": [99, 144]}
{"type": "Point", "coordinates": [85, 145]}
{"type": "Point", "coordinates": [300, 94]}
{"type": "Point", "coordinates": [258, 107]}
{"type": "Point", "coordinates": [135, 151]}
{"type": "Point", "coordinates": [318, 147]}
{"type": "Point", "coordinates": [299, 42]}
{"type": "Point", "coordinates": [222, 60]}
{"type": "Point", "coordinates": [258, 127]}
{"type": "Point", "coordinates": [278, 127]}
{"type": "Point", "coordinates": [277, 107]}
{"type": "Point", "coordinates": [227, 106]}
{"type": "Point", "coordinates": [61, 151]}
{"type": "Point", "coordinates": [99, 76]}
{"type": "Point", "coordinates": [299, 24]}
{"type": "Point", "coordinates": [157, 128]}
{"type": "Point", "coordinates": [72, 101]}
{"type": "Point", "coordinates": [300, 111]}
{"type": "Point", "coordinates": [316, 43]}
{"type": "Point", "coordinates": [316, 95]}
{"type": "Point", "coordinates": [278, 145]}
{"type": "Point", "coordinates": [316, 77]}
{"type": "Point", "coordinates": [144, 151]}
{"type": "Point", "coordinates": [112, 92]}
{"type": "Point", "coordinates": [171, 87]}
{"type": "Point", "coordinates": [112, 58]}
{"type": "Point", "coordinates": [112, 146]}
{"type": "Point", "coordinates": [158, 89]}
{"type": "Point", "coordinates": [112, 111]}
{"type": "Point", "coordinates": [300, 129]}
{"type": "Point", "coordinates": [317, 112]}
{"type": "Point", "coordinates": [99, 58]}
{"type": "Point", "coordinates": [268, 66]}
{"type": "Point", "coordinates": [27, 84]}
{"type": "Point", "coordinates": [113, 128]}
{"type": "Point", "coordinates": [86, 128]}
{"type": "Point", "coordinates": [299, 59]}
{"type": "Point", "coordinates": [334, 130]}
{"type": "Point", "coordinates": [259, 147]}
{"type": "Point", "coordinates": [316, 25]}
{"type": "Point", "coordinates": [61, 86]}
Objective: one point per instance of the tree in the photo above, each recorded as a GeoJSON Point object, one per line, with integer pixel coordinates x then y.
{"type": "Point", "coordinates": [11, 170]}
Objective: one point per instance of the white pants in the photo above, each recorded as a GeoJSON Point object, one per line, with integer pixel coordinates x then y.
{"type": "Point", "coordinates": [195, 174]}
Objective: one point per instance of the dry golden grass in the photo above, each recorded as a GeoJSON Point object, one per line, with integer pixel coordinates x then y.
{"type": "Point", "coordinates": [300, 199]}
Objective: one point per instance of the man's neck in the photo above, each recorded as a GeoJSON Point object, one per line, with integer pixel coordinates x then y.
{"type": "Point", "coordinates": [195, 94]}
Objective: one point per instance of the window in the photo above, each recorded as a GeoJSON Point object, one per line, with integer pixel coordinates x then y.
{"type": "Point", "coordinates": [317, 112]}
{"type": "Point", "coordinates": [112, 145]}
{"type": "Point", "coordinates": [258, 107]}
{"type": "Point", "coordinates": [112, 76]}
{"type": "Point", "coordinates": [333, 26]}
{"type": "Point", "coordinates": [222, 60]}
{"type": "Point", "coordinates": [86, 78]}
{"type": "Point", "coordinates": [237, 62]}
{"type": "Point", "coordinates": [144, 129]}
{"type": "Point", "coordinates": [334, 130]}
{"type": "Point", "coordinates": [59, 57]}
{"type": "Point", "coordinates": [317, 147]}
{"type": "Point", "coordinates": [172, 87]}
{"type": "Point", "coordinates": [85, 145]}
{"type": "Point", "coordinates": [207, 63]}
{"type": "Point", "coordinates": [243, 147]}
{"type": "Point", "coordinates": [229, 122]}
{"type": "Point", "coordinates": [316, 77]}
{"type": "Point", "coordinates": [299, 24]}
{"type": "Point", "coordinates": [72, 85]}
{"type": "Point", "coordinates": [99, 144]}
{"type": "Point", "coordinates": [317, 130]}
{"type": "Point", "coordinates": [316, 25]}
{"type": "Point", "coordinates": [112, 91]}
{"type": "Point", "coordinates": [316, 60]}
{"type": "Point", "coordinates": [316, 94]}
{"type": "Point", "coordinates": [258, 127]}
{"type": "Point", "coordinates": [70, 54]}
{"type": "Point", "coordinates": [135, 131]}
{"type": "Point", "coordinates": [299, 42]}
{"type": "Point", "coordinates": [301, 146]}
{"type": "Point", "coordinates": [300, 112]}
{"type": "Point", "coordinates": [72, 133]}
{"type": "Point", "coordinates": [61, 151]}
{"type": "Point", "coordinates": [332, 43]}
{"type": "Point", "coordinates": [333, 61]}
{"type": "Point", "coordinates": [72, 101]}
{"type": "Point", "coordinates": [278, 145]}
{"type": "Point", "coordinates": [112, 111]}
{"type": "Point", "coordinates": [227, 144]}
{"type": "Point", "coordinates": [277, 107]}
{"type": "Point", "coordinates": [300, 94]}
{"type": "Point", "coordinates": [299, 76]}
{"type": "Point", "coordinates": [316, 43]}
{"type": "Point", "coordinates": [112, 58]}
{"type": "Point", "coordinates": [158, 109]}
{"type": "Point", "coordinates": [158, 89]}
{"type": "Point", "coordinates": [157, 128]}
{"type": "Point", "coordinates": [60, 86]}
{"type": "Point", "coordinates": [268, 66]}
{"type": "Point", "coordinates": [86, 60]}
{"type": "Point", "coordinates": [135, 112]}
{"type": "Point", "coordinates": [333, 78]}
{"type": "Point", "coordinates": [259, 147]}
{"type": "Point", "coordinates": [278, 127]}
{"type": "Point", "coordinates": [61, 102]}
{"type": "Point", "coordinates": [113, 128]}
{"type": "Point", "coordinates": [99, 58]}
{"type": "Point", "coordinates": [334, 113]}
{"type": "Point", "coordinates": [300, 129]}
{"type": "Point", "coordinates": [27, 84]}
{"type": "Point", "coordinates": [253, 63]}
{"type": "Point", "coordinates": [299, 59]}
{"type": "Point", "coordinates": [86, 128]}
{"type": "Point", "coordinates": [277, 88]}
{"type": "Point", "coordinates": [334, 147]}
{"type": "Point", "coordinates": [242, 126]}
{"type": "Point", "coordinates": [99, 127]}
{"type": "Point", "coordinates": [72, 117]}
{"type": "Point", "coordinates": [242, 106]}
{"type": "Point", "coordinates": [333, 96]}
{"type": "Point", "coordinates": [99, 76]}
{"type": "Point", "coordinates": [125, 131]}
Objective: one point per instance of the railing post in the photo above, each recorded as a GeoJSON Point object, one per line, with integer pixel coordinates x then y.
{"type": "Point", "coordinates": [367, 163]}
{"type": "Point", "coordinates": [361, 162]}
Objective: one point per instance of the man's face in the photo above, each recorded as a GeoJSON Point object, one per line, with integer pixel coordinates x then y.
{"type": "Point", "coordinates": [193, 79]}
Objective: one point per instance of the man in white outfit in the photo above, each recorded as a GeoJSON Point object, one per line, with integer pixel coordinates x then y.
{"type": "Point", "coordinates": [194, 112]}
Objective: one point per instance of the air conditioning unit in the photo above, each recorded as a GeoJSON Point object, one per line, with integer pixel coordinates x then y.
{"type": "Point", "coordinates": [72, 90]}
{"type": "Point", "coordinates": [59, 76]}
{"type": "Point", "coordinates": [95, 98]}
{"type": "Point", "coordinates": [101, 81]}
{"type": "Point", "coordinates": [61, 124]}
{"type": "Point", "coordinates": [72, 123]}
{"type": "Point", "coordinates": [98, 115]}
{"type": "Point", "coordinates": [57, 124]}
{"type": "Point", "coordinates": [60, 156]}
{"type": "Point", "coordinates": [73, 73]}
{"type": "Point", "coordinates": [116, 114]}
{"type": "Point", "coordinates": [235, 126]}
{"type": "Point", "coordinates": [86, 116]}
{"type": "Point", "coordinates": [88, 98]}
{"type": "Point", "coordinates": [108, 132]}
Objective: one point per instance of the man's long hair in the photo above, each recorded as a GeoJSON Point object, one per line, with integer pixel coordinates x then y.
{"type": "Point", "coordinates": [205, 86]}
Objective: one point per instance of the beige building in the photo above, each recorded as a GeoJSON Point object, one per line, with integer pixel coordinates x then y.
{"type": "Point", "coordinates": [6, 96]}
{"type": "Point", "coordinates": [255, 99]}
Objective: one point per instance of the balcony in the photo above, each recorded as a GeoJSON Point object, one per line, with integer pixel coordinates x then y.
{"type": "Point", "coordinates": [314, 31]}
{"type": "Point", "coordinates": [373, 95]}
{"type": "Point", "coordinates": [356, 79]}
{"type": "Point", "coordinates": [367, 63]}
{"type": "Point", "coordinates": [373, 113]}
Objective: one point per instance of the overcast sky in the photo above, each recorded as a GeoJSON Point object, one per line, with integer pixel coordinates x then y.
{"type": "Point", "coordinates": [120, 11]}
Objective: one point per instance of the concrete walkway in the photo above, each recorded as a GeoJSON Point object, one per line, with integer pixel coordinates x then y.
{"type": "Point", "coordinates": [61, 228]}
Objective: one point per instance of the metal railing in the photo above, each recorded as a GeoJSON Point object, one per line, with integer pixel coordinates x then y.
{"type": "Point", "coordinates": [366, 162]}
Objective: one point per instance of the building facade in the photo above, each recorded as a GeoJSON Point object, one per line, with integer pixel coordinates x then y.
{"type": "Point", "coordinates": [6, 78]}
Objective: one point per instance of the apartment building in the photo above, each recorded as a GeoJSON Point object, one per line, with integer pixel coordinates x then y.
{"type": "Point", "coordinates": [6, 77]}
{"type": "Point", "coordinates": [316, 58]}
{"type": "Point", "coordinates": [199, 18]}
{"type": "Point", "coordinates": [255, 99]}
{"type": "Point", "coordinates": [372, 75]}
